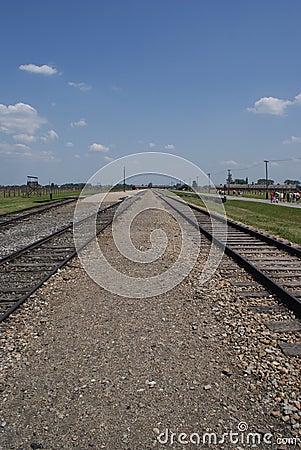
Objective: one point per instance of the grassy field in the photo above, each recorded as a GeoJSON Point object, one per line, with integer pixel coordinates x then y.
{"type": "Point", "coordinates": [10, 204]}
{"type": "Point", "coordinates": [259, 195]}
{"type": "Point", "coordinates": [280, 221]}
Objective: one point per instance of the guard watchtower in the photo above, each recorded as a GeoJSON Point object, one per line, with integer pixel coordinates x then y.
{"type": "Point", "coordinates": [32, 185]}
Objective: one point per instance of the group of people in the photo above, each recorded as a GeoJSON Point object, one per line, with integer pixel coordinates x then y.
{"type": "Point", "coordinates": [290, 197]}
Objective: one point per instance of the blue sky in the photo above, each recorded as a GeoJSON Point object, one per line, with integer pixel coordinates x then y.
{"type": "Point", "coordinates": [216, 82]}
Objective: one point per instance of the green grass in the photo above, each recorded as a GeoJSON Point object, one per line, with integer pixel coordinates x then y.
{"type": "Point", "coordinates": [260, 195]}
{"type": "Point", "coordinates": [281, 221]}
{"type": "Point", "coordinates": [11, 204]}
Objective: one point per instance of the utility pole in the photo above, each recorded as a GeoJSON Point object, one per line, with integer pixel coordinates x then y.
{"type": "Point", "coordinates": [50, 192]}
{"type": "Point", "coordinates": [266, 180]}
{"type": "Point", "coordinates": [229, 180]}
{"type": "Point", "coordinates": [124, 179]}
{"type": "Point", "coordinates": [209, 182]}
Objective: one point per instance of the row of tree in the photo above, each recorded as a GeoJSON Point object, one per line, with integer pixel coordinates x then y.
{"type": "Point", "coordinates": [263, 181]}
{"type": "Point", "coordinates": [286, 182]}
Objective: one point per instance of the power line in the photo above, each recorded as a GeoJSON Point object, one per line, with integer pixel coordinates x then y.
{"type": "Point", "coordinates": [236, 169]}
{"type": "Point", "coordinates": [253, 165]}
{"type": "Point", "coordinates": [285, 160]}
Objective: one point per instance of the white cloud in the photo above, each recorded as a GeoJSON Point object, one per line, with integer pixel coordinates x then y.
{"type": "Point", "coordinates": [292, 140]}
{"type": "Point", "coordinates": [23, 151]}
{"type": "Point", "coordinates": [79, 123]}
{"type": "Point", "coordinates": [229, 162]}
{"type": "Point", "coordinates": [53, 135]}
{"type": "Point", "coordinates": [274, 106]}
{"type": "Point", "coordinates": [81, 86]}
{"type": "Point", "coordinates": [43, 70]}
{"type": "Point", "coordinates": [108, 158]}
{"type": "Point", "coordinates": [23, 146]}
{"type": "Point", "coordinates": [98, 148]}
{"type": "Point", "coordinates": [270, 105]}
{"type": "Point", "coordinates": [20, 118]}
{"type": "Point", "coordinates": [152, 145]}
{"type": "Point", "coordinates": [275, 164]}
{"type": "Point", "coordinates": [46, 156]}
{"type": "Point", "coordinates": [298, 98]}
{"type": "Point", "coordinates": [77, 156]}
{"type": "Point", "coordinates": [169, 147]}
{"type": "Point", "coordinates": [50, 136]}
{"type": "Point", "coordinates": [15, 150]}
{"type": "Point", "coordinates": [69, 144]}
{"type": "Point", "coordinates": [23, 137]}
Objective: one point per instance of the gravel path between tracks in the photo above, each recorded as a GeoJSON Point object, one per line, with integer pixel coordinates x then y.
{"type": "Point", "coordinates": [83, 368]}
{"type": "Point", "coordinates": [27, 231]}
{"type": "Point", "coordinates": [22, 233]}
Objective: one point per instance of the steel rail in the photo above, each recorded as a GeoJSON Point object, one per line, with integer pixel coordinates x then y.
{"type": "Point", "coordinates": [295, 251]}
{"type": "Point", "coordinates": [37, 210]}
{"type": "Point", "coordinates": [41, 241]}
{"type": "Point", "coordinates": [285, 296]}
{"type": "Point", "coordinates": [262, 237]}
{"type": "Point", "coordinates": [58, 266]}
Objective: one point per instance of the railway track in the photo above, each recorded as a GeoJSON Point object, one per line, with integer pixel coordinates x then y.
{"type": "Point", "coordinates": [274, 264]}
{"type": "Point", "coordinates": [24, 271]}
{"type": "Point", "coordinates": [14, 217]}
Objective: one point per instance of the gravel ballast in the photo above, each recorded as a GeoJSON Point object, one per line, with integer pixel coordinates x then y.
{"type": "Point", "coordinates": [83, 368]}
{"type": "Point", "coordinates": [19, 234]}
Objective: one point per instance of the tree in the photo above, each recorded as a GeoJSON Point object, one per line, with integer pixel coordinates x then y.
{"type": "Point", "coordinates": [296, 182]}
{"type": "Point", "coordinates": [194, 184]}
{"type": "Point", "coordinates": [229, 178]}
{"type": "Point", "coordinates": [240, 181]}
{"type": "Point", "coordinates": [264, 181]}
